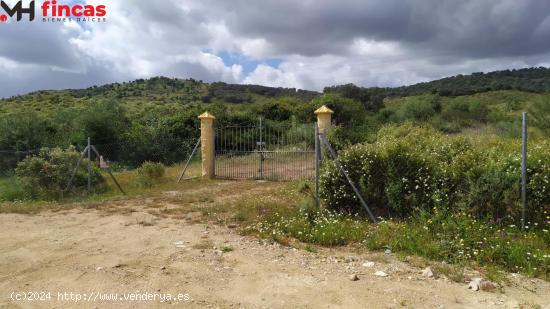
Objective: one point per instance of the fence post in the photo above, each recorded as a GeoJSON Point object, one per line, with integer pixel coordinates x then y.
{"type": "Point", "coordinates": [207, 145]}
{"type": "Point", "coordinates": [89, 165]}
{"type": "Point", "coordinates": [523, 168]}
{"type": "Point", "coordinates": [317, 165]}
{"type": "Point", "coordinates": [261, 148]}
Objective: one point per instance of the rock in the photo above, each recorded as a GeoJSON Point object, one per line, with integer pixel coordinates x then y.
{"type": "Point", "coordinates": [218, 252]}
{"type": "Point", "coordinates": [232, 226]}
{"type": "Point", "coordinates": [368, 264]}
{"type": "Point", "coordinates": [350, 259]}
{"type": "Point", "coordinates": [487, 286]}
{"type": "Point", "coordinates": [428, 273]}
{"type": "Point", "coordinates": [163, 268]}
{"type": "Point", "coordinates": [179, 244]}
{"type": "Point", "coordinates": [474, 284]}
{"type": "Point", "coordinates": [477, 284]}
{"type": "Point", "coordinates": [353, 277]}
{"type": "Point", "coordinates": [380, 274]}
{"type": "Point", "coordinates": [388, 251]}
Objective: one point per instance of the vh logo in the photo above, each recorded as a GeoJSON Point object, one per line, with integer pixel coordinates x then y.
{"type": "Point", "coordinates": [17, 9]}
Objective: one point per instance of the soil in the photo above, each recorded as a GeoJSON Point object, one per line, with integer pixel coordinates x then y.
{"type": "Point", "coordinates": [133, 250]}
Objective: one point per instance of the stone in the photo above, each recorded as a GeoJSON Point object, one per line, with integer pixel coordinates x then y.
{"type": "Point", "coordinates": [179, 244]}
{"type": "Point", "coordinates": [232, 226]}
{"type": "Point", "coordinates": [388, 251]}
{"type": "Point", "coordinates": [428, 273]}
{"type": "Point", "coordinates": [368, 264]}
{"type": "Point", "coordinates": [380, 274]}
{"type": "Point", "coordinates": [353, 277]}
{"type": "Point", "coordinates": [474, 284]}
{"type": "Point", "coordinates": [487, 286]}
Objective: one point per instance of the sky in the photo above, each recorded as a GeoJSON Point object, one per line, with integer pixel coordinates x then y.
{"type": "Point", "coordinates": [284, 43]}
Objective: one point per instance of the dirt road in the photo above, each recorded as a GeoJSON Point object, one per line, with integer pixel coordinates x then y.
{"type": "Point", "coordinates": [96, 251]}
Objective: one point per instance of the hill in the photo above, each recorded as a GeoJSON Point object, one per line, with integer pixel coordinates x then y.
{"type": "Point", "coordinates": [160, 90]}
{"type": "Point", "coordinates": [157, 118]}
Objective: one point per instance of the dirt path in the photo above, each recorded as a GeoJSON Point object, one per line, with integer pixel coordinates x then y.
{"type": "Point", "coordinates": [88, 251]}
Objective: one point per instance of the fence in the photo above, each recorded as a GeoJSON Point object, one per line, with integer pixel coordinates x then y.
{"type": "Point", "coordinates": [262, 151]}
{"type": "Point", "coordinates": [116, 157]}
{"type": "Point", "coordinates": [266, 151]}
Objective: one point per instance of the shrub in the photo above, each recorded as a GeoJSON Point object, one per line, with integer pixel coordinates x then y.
{"type": "Point", "coordinates": [47, 174]}
{"type": "Point", "coordinates": [149, 173]}
{"type": "Point", "coordinates": [410, 168]}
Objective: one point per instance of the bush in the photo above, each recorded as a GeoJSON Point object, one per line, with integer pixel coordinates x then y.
{"type": "Point", "coordinates": [149, 173]}
{"type": "Point", "coordinates": [410, 168]}
{"type": "Point", "coordinates": [47, 174]}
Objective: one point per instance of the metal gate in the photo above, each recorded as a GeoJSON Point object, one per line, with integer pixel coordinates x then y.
{"type": "Point", "coordinates": [266, 151]}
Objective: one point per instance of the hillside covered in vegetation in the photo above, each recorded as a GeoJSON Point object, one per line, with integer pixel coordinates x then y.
{"type": "Point", "coordinates": [154, 119]}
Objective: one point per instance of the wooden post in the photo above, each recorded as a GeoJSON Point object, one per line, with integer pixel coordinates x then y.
{"type": "Point", "coordinates": [207, 145]}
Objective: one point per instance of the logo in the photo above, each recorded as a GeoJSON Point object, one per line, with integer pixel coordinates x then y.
{"type": "Point", "coordinates": [51, 11]}
{"type": "Point", "coordinates": [17, 9]}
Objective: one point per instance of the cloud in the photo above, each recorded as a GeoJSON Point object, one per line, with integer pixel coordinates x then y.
{"type": "Point", "coordinates": [315, 43]}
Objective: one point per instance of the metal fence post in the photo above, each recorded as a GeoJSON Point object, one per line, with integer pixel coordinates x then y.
{"type": "Point", "coordinates": [523, 167]}
{"type": "Point", "coordinates": [261, 152]}
{"type": "Point", "coordinates": [89, 165]}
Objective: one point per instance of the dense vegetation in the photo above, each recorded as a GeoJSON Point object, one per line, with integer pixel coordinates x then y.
{"type": "Point", "coordinates": [410, 169]}
{"type": "Point", "coordinates": [529, 80]}
{"type": "Point", "coordinates": [156, 119]}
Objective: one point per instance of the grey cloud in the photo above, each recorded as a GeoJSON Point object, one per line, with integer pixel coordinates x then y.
{"type": "Point", "coordinates": [469, 28]}
{"type": "Point", "coordinates": [37, 43]}
{"type": "Point", "coordinates": [433, 38]}
{"type": "Point", "coordinates": [27, 79]}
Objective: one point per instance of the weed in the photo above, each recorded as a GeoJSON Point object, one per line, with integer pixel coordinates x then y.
{"type": "Point", "coordinates": [310, 248]}
{"type": "Point", "coordinates": [453, 272]}
{"type": "Point", "coordinates": [203, 245]}
{"type": "Point", "coordinates": [227, 249]}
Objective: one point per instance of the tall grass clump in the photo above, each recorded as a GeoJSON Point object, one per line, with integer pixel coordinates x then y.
{"type": "Point", "coordinates": [149, 173]}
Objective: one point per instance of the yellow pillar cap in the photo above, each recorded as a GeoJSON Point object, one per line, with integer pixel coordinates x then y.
{"type": "Point", "coordinates": [324, 110]}
{"type": "Point", "coordinates": [206, 115]}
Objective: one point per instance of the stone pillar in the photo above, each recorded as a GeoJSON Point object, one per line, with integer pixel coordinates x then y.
{"type": "Point", "coordinates": [324, 119]}
{"type": "Point", "coordinates": [207, 145]}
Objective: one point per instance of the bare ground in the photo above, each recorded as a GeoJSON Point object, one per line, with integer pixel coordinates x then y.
{"type": "Point", "coordinates": [134, 246]}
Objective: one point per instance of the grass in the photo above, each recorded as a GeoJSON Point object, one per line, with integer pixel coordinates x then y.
{"type": "Point", "coordinates": [227, 249]}
{"type": "Point", "coordinates": [458, 238]}
{"type": "Point", "coordinates": [14, 200]}
{"type": "Point", "coordinates": [455, 238]}
{"type": "Point", "coordinates": [9, 190]}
